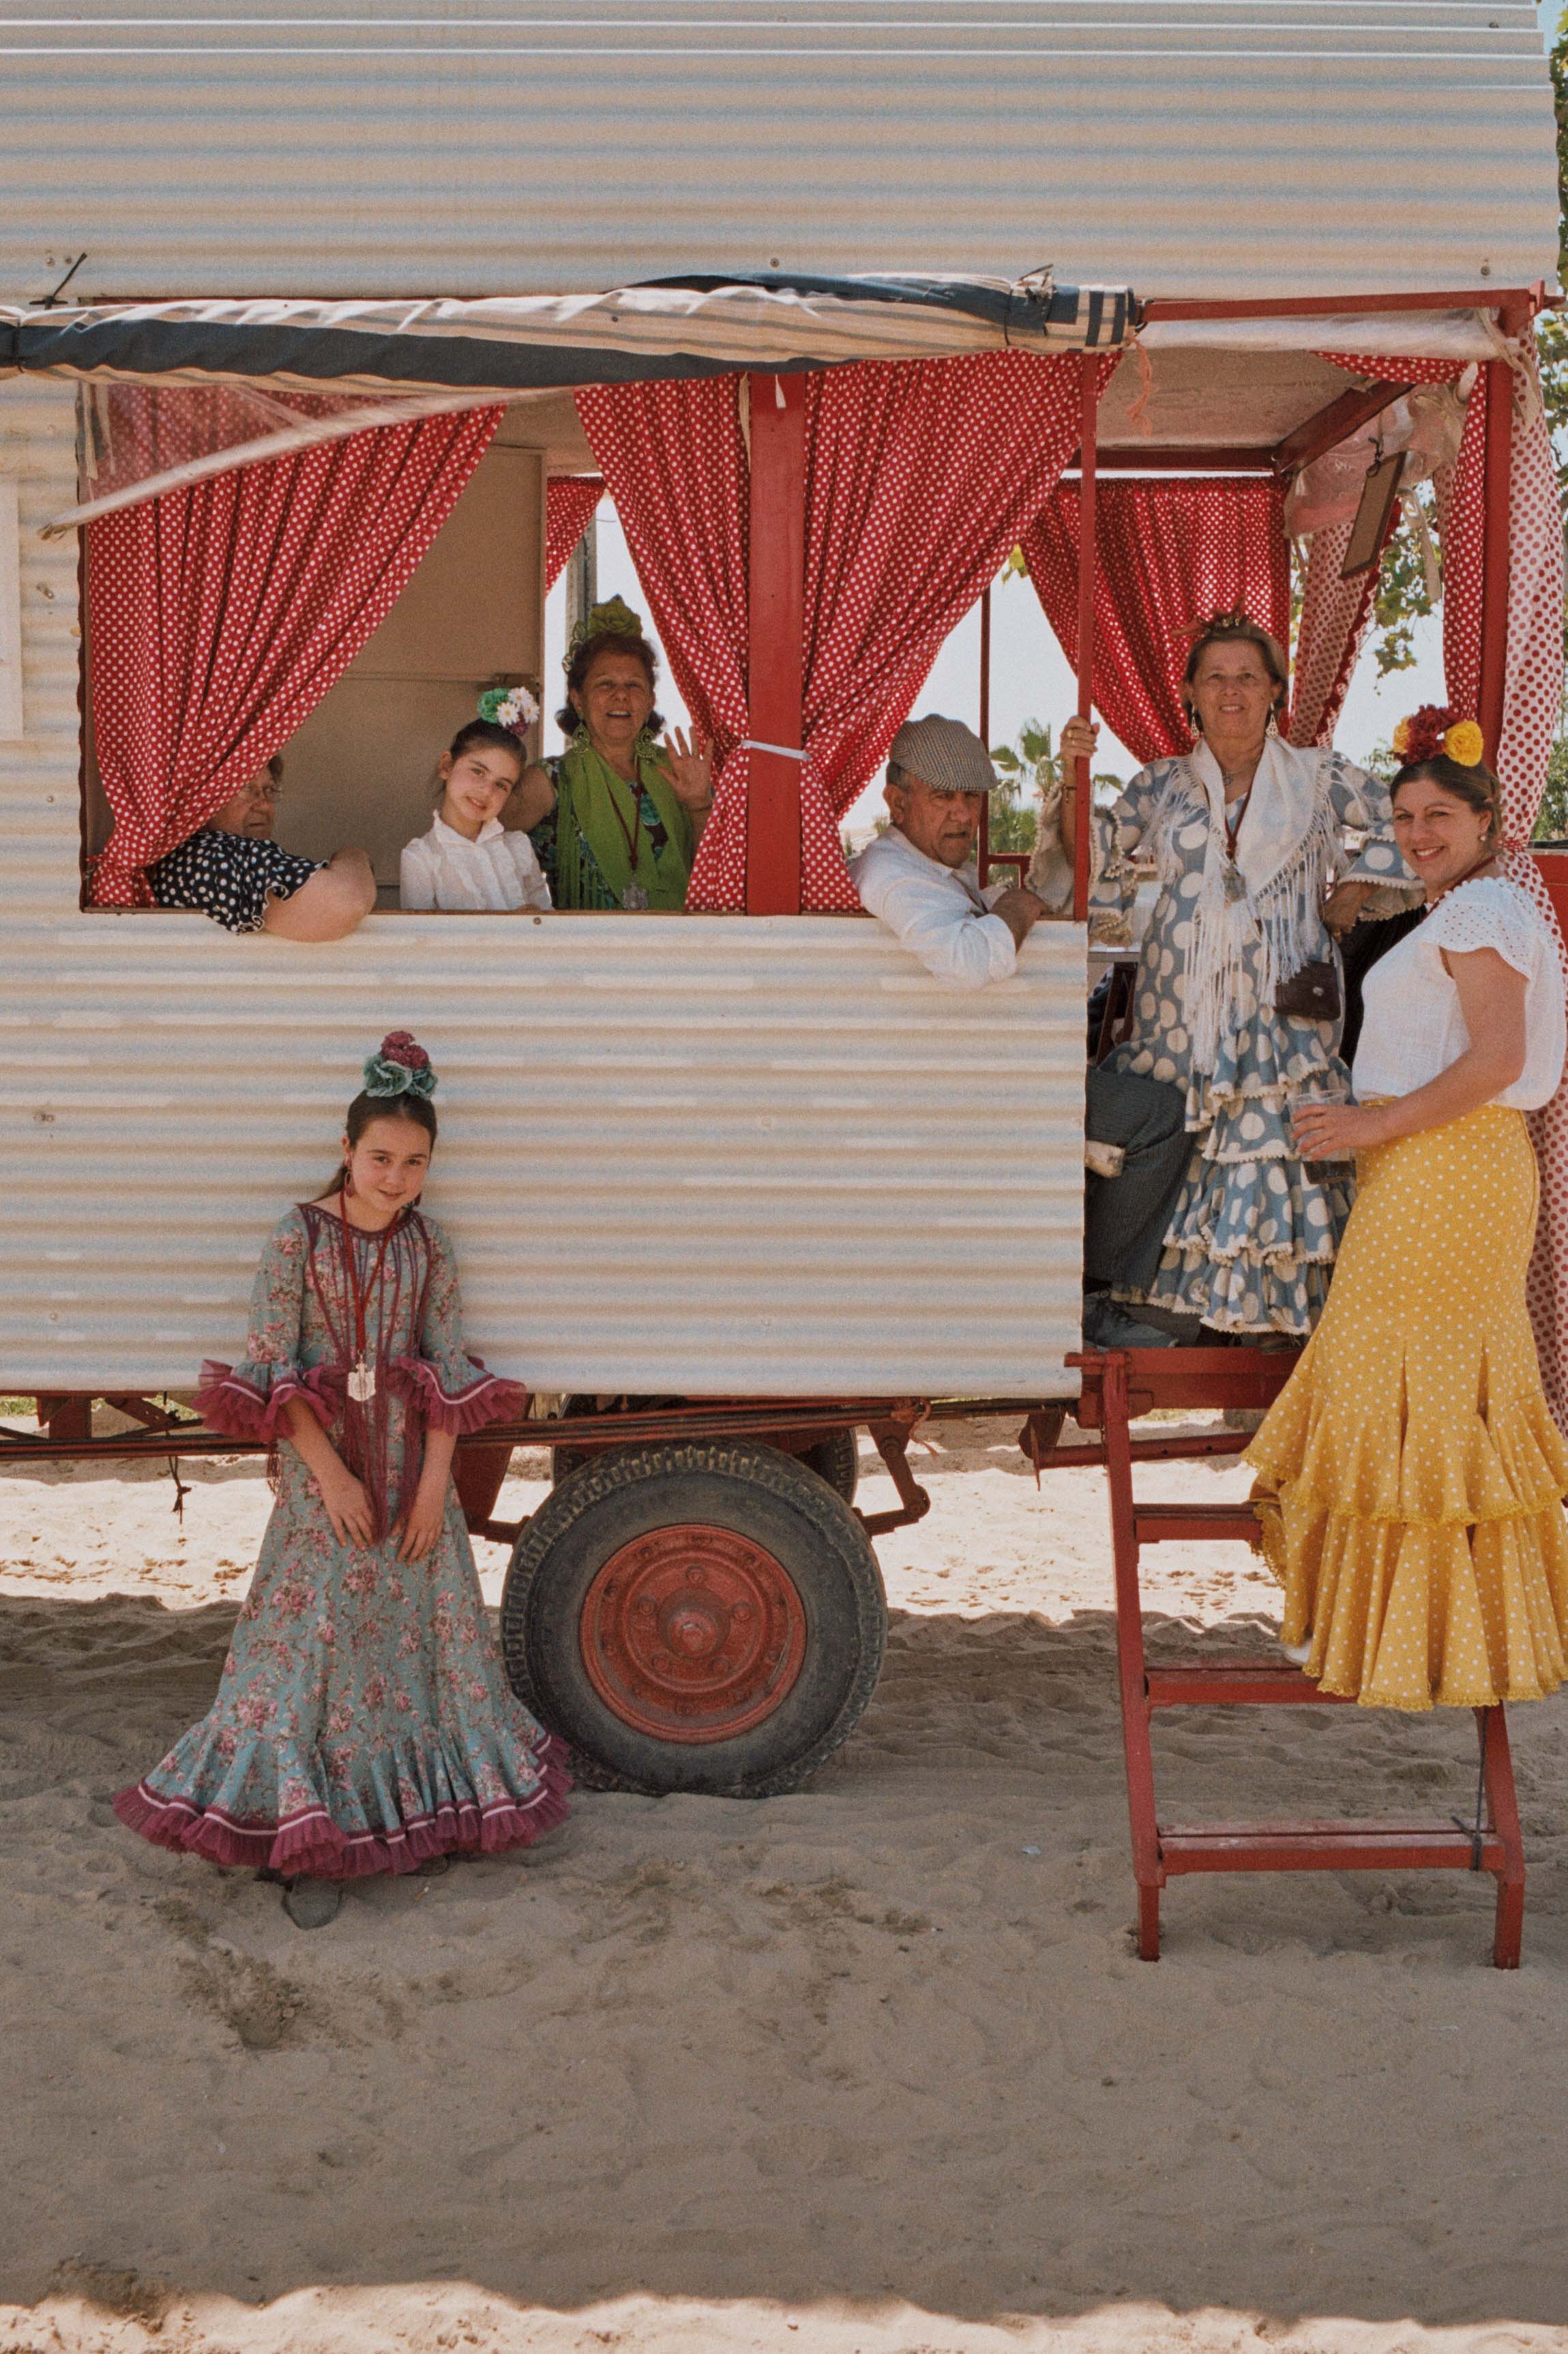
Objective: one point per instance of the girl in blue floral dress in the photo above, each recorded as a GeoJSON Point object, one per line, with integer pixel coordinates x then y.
{"type": "Point", "coordinates": [364, 1723]}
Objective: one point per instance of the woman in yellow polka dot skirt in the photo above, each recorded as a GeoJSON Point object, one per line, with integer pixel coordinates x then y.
{"type": "Point", "coordinates": [1410, 1475]}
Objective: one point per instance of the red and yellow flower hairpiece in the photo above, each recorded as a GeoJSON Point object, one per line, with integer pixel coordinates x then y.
{"type": "Point", "coordinates": [1434, 732]}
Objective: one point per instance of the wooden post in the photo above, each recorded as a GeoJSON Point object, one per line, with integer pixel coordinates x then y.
{"type": "Point", "coordinates": [1083, 784]}
{"type": "Point", "coordinates": [775, 667]}
{"type": "Point", "coordinates": [1495, 554]}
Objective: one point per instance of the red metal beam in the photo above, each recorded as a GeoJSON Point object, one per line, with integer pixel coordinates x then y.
{"type": "Point", "coordinates": [1515, 304]}
{"type": "Point", "coordinates": [1331, 426]}
{"type": "Point", "coordinates": [1088, 560]}
{"type": "Point", "coordinates": [775, 656]}
{"type": "Point", "coordinates": [1157, 458]}
{"type": "Point", "coordinates": [1499, 380]}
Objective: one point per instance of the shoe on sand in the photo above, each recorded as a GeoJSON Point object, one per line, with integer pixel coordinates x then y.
{"type": "Point", "coordinates": [312, 1904]}
{"type": "Point", "coordinates": [433, 1867]}
{"type": "Point", "coordinates": [1298, 1653]}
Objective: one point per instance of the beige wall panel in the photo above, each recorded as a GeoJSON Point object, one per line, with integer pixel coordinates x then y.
{"type": "Point", "coordinates": [362, 768]}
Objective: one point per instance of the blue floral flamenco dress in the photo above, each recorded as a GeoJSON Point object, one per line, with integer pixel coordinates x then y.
{"type": "Point", "coordinates": [364, 1723]}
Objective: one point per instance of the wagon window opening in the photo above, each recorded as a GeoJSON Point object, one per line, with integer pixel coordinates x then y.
{"type": "Point", "coordinates": [362, 767]}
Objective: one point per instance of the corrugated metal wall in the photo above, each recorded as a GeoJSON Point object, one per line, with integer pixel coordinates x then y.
{"type": "Point", "coordinates": [690, 1155]}
{"type": "Point", "coordinates": [1218, 147]}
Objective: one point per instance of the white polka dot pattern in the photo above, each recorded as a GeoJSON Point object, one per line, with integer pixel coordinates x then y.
{"type": "Point", "coordinates": [570, 501]}
{"type": "Point", "coordinates": [1533, 690]}
{"type": "Point", "coordinates": [222, 613]}
{"type": "Point", "coordinates": [919, 477]}
{"type": "Point", "coordinates": [1168, 554]}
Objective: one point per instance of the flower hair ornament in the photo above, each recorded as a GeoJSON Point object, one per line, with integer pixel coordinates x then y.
{"type": "Point", "coordinates": [1434, 732]}
{"type": "Point", "coordinates": [1236, 621]}
{"type": "Point", "coordinates": [400, 1067]}
{"type": "Point", "coordinates": [614, 619]}
{"type": "Point", "coordinates": [515, 708]}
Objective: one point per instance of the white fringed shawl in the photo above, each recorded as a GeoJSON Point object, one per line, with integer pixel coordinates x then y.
{"type": "Point", "coordinates": [1284, 855]}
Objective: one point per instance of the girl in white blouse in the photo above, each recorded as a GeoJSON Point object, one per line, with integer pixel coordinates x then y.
{"type": "Point", "coordinates": [466, 861]}
{"type": "Point", "coordinates": [1410, 1475]}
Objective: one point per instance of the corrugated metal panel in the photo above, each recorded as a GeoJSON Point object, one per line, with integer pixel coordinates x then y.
{"type": "Point", "coordinates": [1218, 147]}
{"type": "Point", "coordinates": [696, 1154]}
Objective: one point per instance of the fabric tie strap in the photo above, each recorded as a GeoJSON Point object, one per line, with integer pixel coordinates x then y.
{"type": "Point", "coordinates": [784, 752]}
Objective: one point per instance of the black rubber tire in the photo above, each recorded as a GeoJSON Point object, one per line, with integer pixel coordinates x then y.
{"type": "Point", "coordinates": [756, 1492]}
{"type": "Point", "coordinates": [836, 1459]}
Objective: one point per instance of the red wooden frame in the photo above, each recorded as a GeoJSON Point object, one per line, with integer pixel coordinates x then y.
{"type": "Point", "coordinates": [775, 668]}
{"type": "Point", "coordinates": [1088, 565]}
{"type": "Point", "coordinates": [1495, 478]}
{"type": "Point", "coordinates": [1117, 1386]}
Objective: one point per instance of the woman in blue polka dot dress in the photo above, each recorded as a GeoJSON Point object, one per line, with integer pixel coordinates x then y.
{"type": "Point", "coordinates": [1248, 838]}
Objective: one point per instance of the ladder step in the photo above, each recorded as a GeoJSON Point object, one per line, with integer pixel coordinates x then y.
{"type": "Point", "coordinates": [1154, 1522]}
{"type": "Point", "coordinates": [1327, 1847]}
{"type": "Point", "coordinates": [1249, 1683]}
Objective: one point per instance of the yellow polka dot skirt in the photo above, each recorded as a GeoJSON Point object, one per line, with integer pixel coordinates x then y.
{"type": "Point", "coordinates": [1410, 1478]}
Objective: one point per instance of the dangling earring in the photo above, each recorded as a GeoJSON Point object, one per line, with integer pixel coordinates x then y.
{"type": "Point", "coordinates": [1273, 726]}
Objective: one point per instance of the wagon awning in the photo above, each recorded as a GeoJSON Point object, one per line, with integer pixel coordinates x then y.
{"type": "Point", "coordinates": [509, 345]}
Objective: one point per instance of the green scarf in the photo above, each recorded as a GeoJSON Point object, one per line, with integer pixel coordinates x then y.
{"type": "Point", "coordinates": [588, 796]}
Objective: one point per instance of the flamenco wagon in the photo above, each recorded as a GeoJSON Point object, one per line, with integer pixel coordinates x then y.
{"type": "Point", "coordinates": [294, 432]}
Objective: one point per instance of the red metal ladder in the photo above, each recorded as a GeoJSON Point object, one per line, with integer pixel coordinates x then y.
{"type": "Point", "coordinates": [1115, 1387]}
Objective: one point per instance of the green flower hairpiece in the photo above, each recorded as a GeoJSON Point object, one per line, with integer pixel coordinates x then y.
{"type": "Point", "coordinates": [400, 1066]}
{"type": "Point", "coordinates": [615, 618]}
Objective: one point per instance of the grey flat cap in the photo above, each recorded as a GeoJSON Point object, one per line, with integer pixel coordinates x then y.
{"type": "Point", "coordinates": [944, 754]}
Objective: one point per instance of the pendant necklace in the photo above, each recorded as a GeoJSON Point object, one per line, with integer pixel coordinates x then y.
{"type": "Point", "coordinates": [634, 899]}
{"type": "Point", "coordinates": [361, 1382]}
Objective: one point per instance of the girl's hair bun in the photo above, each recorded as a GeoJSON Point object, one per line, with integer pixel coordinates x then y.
{"type": "Point", "coordinates": [400, 1067]}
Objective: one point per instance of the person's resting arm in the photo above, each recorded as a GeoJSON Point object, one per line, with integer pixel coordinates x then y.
{"type": "Point", "coordinates": [329, 906]}
{"type": "Point", "coordinates": [1376, 883]}
{"type": "Point", "coordinates": [532, 802]}
{"type": "Point", "coordinates": [1491, 999]}
{"type": "Point", "coordinates": [956, 943]}
{"type": "Point", "coordinates": [1116, 834]}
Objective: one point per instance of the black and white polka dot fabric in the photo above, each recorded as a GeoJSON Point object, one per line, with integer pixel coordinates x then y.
{"type": "Point", "coordinates": [228, 876]}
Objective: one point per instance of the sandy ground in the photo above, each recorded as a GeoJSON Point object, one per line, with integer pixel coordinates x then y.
{"type": "Point", "coordinates": [870, 2067]}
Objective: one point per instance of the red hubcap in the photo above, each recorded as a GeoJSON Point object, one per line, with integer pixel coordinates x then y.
{"type": "Point", "coordinates": [693, 1633]}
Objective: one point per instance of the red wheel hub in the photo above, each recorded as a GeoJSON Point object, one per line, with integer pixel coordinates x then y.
{"type": "Point", "coordinates": [693, 1633]}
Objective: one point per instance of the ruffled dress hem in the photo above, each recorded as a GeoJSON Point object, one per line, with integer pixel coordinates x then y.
{"type": "Point", "coordinates": [308, 1842]}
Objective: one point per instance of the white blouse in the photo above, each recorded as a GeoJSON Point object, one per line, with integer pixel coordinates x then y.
{"type": "Point", "coordinates": [444, 869]}
{"type": "Point", "coordinates": [1413, 1028]}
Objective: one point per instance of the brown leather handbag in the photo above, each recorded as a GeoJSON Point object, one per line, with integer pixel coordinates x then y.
{"type": "Point", "coordinates": [1312, 994]}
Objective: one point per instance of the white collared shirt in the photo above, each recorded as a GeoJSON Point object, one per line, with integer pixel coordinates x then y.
{"type": "Point", "coordinates": [444, 869]}
{"type": "Point", "coordinates": [938, 912]}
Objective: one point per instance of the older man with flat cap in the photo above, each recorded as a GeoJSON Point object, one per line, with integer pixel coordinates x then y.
{"type": "Point", "coordinates": [919, 878]}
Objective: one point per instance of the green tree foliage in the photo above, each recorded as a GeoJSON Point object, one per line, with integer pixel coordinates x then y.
{"type": "Point", "coordinates": [1027, 768]}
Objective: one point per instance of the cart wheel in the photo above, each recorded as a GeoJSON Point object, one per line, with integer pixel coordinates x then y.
{"type": "Point", "coordinates": [836, 1459]}
{"type": "Point", "coordinates": [695, 1617]}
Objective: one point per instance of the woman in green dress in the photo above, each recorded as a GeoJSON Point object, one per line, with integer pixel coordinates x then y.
{"type": "Point", "coordinates": [616, 819]}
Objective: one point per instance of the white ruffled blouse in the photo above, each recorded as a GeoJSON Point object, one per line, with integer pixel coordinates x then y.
{"type": "Point", "coordinates": [444, 869]}
{"type": "Point", "coordinates": [1413, 1027]}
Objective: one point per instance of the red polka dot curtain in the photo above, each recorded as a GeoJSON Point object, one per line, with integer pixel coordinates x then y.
{"type": "Point", "coordinates": [1168, 553]}
{"type": "Point", "coordinates": [1533, 689]}
{"type": "Point", "coordinates": [569, 503]}
{"type": "Point", "coordinates": [919, 477]}
{"type": "Point", "coordinates": [222, 614]}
